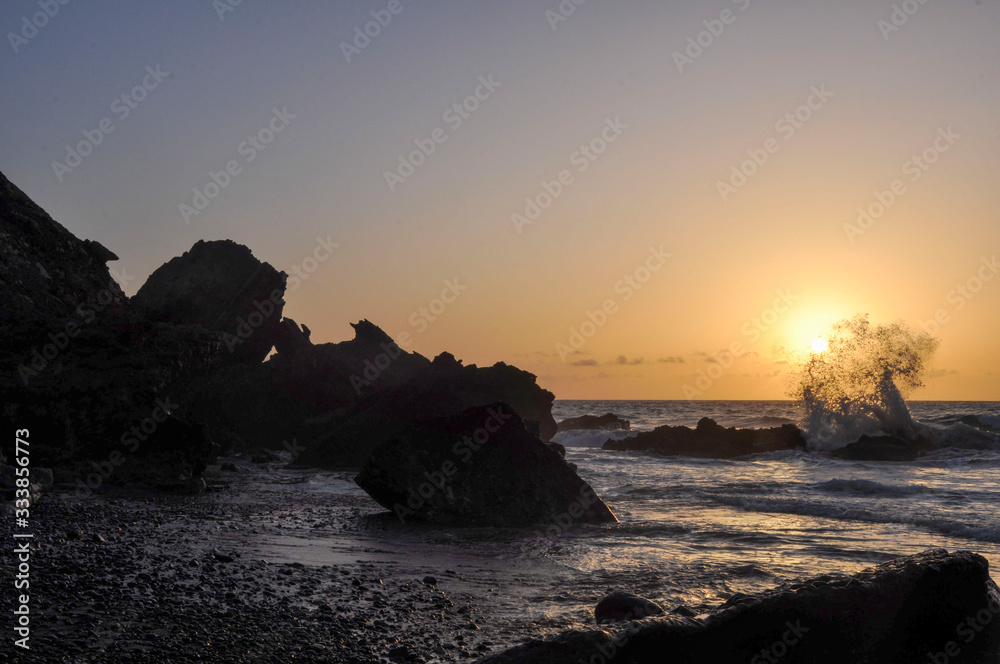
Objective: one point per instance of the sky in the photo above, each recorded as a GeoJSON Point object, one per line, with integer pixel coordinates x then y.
{"type": "Point", "coordinates": [631, 200]}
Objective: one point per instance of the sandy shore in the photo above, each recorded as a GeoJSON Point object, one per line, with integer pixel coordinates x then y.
{"type": "Point", "coordinates": [259, 569]}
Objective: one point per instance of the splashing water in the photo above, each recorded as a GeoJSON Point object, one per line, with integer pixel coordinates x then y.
{"type": "Point", "coordinates": [857, 385]}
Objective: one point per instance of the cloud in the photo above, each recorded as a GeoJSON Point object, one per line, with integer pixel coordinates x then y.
{"type": "Point", "coordinates": [584, 363]}
{"type": "Point", "coordinates": [937, 373]}
{"type": "Point", "coordinates": [676, 359]}
{"type": "Point", "coordinates": [622, 360]}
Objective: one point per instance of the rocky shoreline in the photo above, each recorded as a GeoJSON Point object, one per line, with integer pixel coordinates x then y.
{"type": "Point", "coordinates": [127, 576]}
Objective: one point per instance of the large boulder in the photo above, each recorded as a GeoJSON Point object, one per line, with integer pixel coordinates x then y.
{"type": "Point", "coordinates": [712, 441]}
{"type": "Point", "coordinates": [479, 467]}
{"type": "Point", "coordinates": [608, 422]}
{"type": "Point", "coordinates": [934, 606]}
{"type": "Point", "coordinates": [46, 273]}
{"type": "Point", "coordinates": [221, 286]}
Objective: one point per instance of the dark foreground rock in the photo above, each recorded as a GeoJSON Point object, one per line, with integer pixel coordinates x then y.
{"type": "Point", "coordinates": [92, 382]}
{"type": "Point", "coordinates": [620, 606]}
{"type": "Point", "coordinates": [880, 448]}
{"type": "Point", "coordinates": [711, 441]}
{"type": "Point", "coordinates": [934, 606]}
{"type": "Point", "coordinates": [480, 467]}
{"type": "Point", "coordinates": [608, 422]}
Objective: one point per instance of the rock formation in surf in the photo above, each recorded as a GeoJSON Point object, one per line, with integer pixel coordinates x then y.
{"type": "Point", "coordinates": [935, 606]}
{"type": "Point", "coordinates": [712, 441]}
{"type": "Point", "coordinates": [608, 422]}
{"type": "Point", "coordinates": [480, 467]}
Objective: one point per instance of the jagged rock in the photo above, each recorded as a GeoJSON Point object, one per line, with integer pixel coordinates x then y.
{"type": "Point", "coordinates": [620, 606]}
{"type": "Point", "coordinates": [290, 338]}
{"type": "Point", "coordinates": [609, 422]}
{"type": "Point", "coordinates": [933, 606]}
{"type": "Point", "coordinates": [339, 401]}
{"type": "Point", "coordinates": [79, 369]}
{"type": "Point", "coordinates": [47, 273]}
{"type": "Point", "coordinates": [711, 441]}
{"type": "Point", "coordinates": [479, 467]}
{"type": "Point", "coordinates": [221, 286]}
{"type": "Point", "coordinates": [880, 448]}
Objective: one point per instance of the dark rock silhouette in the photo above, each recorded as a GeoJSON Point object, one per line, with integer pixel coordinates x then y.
{"type": "Point", "coordinates": [620, 606]}
{"type": "Point", "coordinates": [289, 338]}
{"type": "Point", "coordinates": [609, 422]}
{"type": "Point", "coordinates": [339, 401]}
{"type": "Point", "coordinates": [479, 467]}
{"type": "Point", "coordinates": [84, 366]}
{"type": "Point", "coordinates": [880, 448]}
{"type": "Point", "coordinates": [900, 611]}
{"type": "Point", "coordinates": [47, 273]}
{"type": "Point", "coordinates": [711, 441]}
{"type": "Point", "coordinates": [89, 378]}
{"type": "Point", "coordinates": [221, 286]}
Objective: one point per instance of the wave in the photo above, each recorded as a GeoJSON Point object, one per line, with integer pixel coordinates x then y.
{"type": "Point", "coordinates": [589, 438]}
{"type": "Point", "coordinates": [872, 488]}
{"type": "Point", "coordinates": [841, 512]}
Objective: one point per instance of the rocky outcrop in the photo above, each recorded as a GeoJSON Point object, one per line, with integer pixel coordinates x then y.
{"type": "Point", "coordinates": [880, 448]}
{"type": "Point", "coordinates": [83, 365]}
{"type": "Point", "coordinates": [479, 467]}
{"type": "Point", "coordinates": [47, 273]}
{"type": "Point", "coordinates": [221, 286]}
{"type": "Point", "coordinates": [711, 441]}
{"type": "Point", "coordinates": [79, 369]}
{"type": "Point", "coordinates": [609, 422]}
{"type": "Point", "coordinates": [339, 401]}
{"type": "Point", "coordinates": [933, 606]}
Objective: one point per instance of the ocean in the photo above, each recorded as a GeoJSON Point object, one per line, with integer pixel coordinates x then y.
{"type": "Point", "coordinates": [693, 532]}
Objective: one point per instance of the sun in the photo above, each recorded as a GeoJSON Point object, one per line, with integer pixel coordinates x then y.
{"type": "Point", "coordinates": [819, 345]}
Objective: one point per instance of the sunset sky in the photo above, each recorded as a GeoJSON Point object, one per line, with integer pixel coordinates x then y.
{"type": "Point", "coordinates": [623, 122]}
